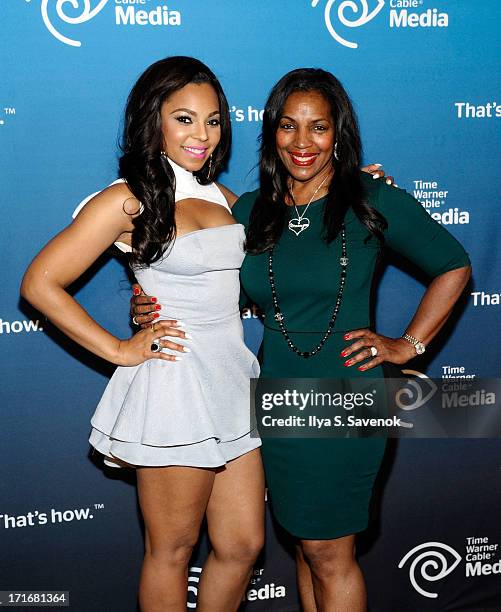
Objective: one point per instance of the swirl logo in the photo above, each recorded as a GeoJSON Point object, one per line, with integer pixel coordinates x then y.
{"type": "Point", "coordinates": [432, 558]}
{"type": "Point", "coordinates": [193, 580]}
{"type": "Point", "coordinates": [413, 396]}
{"type": "Point", "coordinates": [86, 14]}
{"type": "Point", "coordinates": [356, 6]}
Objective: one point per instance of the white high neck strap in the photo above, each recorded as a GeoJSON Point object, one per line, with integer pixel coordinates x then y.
{"type": "Point", "coordinates": [183, 176]}
{"type": "Point", "coordinates": [187, 186]}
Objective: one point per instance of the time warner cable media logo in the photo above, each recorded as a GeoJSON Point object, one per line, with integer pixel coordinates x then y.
{"type": "Point", "coordinates": [356, 13]}
{"type": "Point", "coordinates": [434, 198]}
{"type": "Point", "coordinates": [254, 592]}
{"type": "Point", "coordinates": [57, 13]}
{"type": "Point", "coordinates": [433, 561]}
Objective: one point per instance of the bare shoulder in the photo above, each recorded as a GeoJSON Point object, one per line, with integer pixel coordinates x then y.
{"type": "Point", "coordinates": [110, 211]}
{"type": "Point", "coordinates": [231, 198]}
{"type": "Point", "coordinates": [118, 197]}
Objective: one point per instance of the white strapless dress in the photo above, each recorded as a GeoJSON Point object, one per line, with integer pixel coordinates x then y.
{"type": "Point", "coordinates": [196, 411]}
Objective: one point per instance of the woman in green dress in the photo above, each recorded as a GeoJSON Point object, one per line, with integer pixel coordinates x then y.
{"type": "Point", "coordinates": [315, 232]}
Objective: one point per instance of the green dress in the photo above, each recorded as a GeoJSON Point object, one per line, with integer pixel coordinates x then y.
{"type": "Point", "coordinates": [321, 488]}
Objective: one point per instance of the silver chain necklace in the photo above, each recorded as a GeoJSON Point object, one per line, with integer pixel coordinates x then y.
{"type": "Point", "coordinates": [300, 223]}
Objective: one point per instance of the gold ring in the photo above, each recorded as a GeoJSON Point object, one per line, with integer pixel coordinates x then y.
{"type": "Point", "coordinates": [153, 327]}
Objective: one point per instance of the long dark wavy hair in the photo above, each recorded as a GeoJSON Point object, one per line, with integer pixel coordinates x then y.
{"type": "Point", "coordinates": [269, 214]}
{"type": "Point", "coordinates": [148, 174]}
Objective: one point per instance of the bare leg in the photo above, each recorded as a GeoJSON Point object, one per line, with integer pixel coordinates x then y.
{"type": "Point", "coordinates": [173, 501]}
{"type": "Point", "coordinates": [235, 518]}
{"type": "Point", "coordinates": [304, 582]}
{"type": "Point", "coordinates": [338, 582]}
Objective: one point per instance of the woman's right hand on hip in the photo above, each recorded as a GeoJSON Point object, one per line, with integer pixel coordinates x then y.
{"type": "Point", "coordinates": [138, 349]}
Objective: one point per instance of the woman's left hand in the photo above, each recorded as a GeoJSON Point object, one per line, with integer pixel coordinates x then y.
{"type": "Point", "coordinates": [378, 172]}
{"type": "Point", "coordinates": [394, 350]}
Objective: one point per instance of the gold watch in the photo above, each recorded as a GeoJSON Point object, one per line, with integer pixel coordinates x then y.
{"type": "Point", "coordinates": [419, 347]}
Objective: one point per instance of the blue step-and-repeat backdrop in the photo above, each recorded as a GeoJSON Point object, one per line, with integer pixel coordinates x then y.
{"type": "Point", "coordinates": [424, 77]}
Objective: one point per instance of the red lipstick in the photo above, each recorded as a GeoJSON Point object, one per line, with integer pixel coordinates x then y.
{"type": "Point", "coordinates": [302, 159]}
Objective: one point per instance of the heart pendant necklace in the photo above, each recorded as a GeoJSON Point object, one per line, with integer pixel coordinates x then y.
{"type": "Point", "coordinates": [300, 223]}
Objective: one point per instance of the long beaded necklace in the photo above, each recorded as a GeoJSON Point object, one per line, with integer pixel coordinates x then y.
{"type": "Point", "coordinates": [279, 317]}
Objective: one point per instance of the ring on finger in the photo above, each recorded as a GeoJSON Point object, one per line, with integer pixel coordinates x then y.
{"type": "Point", "coordinates": [155, 346]}
{"type": "Point", "coordinates": [153, 327]}
{"type": "Point", "coordinates": [373, 351]}
{"type": "Point", "coordinates": [134, 320]}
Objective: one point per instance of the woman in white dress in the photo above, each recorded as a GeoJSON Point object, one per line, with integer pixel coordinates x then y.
{"type": "Point", "coordinates": [177, 411]}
